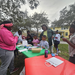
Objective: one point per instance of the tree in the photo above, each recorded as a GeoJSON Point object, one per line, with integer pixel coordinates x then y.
{"type": "Point", "coordinates": [39, 19]}
{"type": "Point", "coordinates": [67, 15]}
{"type": "Point", "coordinates": [11, 8]}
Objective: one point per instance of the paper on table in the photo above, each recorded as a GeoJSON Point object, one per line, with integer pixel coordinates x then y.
{"type": "Point", "coordinates": [54, 61]}
{"type": "Point", "coordinates": [34, 47]}
{"type": "Point", "coordinates": [19, 45]}
{"type": "Point", "coordinates": [22, 50]}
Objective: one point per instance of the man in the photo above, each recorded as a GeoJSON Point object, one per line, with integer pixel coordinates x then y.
{"type": "Point", "coordinates": [19, 34]}
{"type": "Point", "coordinates": [49, 34]}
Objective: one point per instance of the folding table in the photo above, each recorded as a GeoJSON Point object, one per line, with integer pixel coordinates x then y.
{"type": "Point", "coordinates": [30, 54]}
{"type": "Point", "coordinates": [36, 66]}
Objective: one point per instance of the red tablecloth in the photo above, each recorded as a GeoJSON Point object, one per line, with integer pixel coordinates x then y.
{"type": "Point", "coordinates": [36, 66]}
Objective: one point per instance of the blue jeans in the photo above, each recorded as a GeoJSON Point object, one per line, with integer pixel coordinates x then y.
{"type": "Point", "coordinates": [7, 60]}
{"type": "Point", "coordinates": [56, 43]}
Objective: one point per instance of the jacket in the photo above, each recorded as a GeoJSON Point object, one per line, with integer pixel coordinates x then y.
{"type": "Point", "coordinates": [50, 33]}
{"type": "Point", "coordinates": [7, 40]}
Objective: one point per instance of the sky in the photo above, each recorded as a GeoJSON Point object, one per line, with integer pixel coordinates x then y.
{"type": "Point", "coordinates": [51, 7]}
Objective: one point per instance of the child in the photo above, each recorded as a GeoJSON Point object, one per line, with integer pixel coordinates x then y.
{"type": "Point", "coordinates": [43, 43]}
{"type": "Point", "coordinates": [35, 40]}
{"type": "Point", "coordinates": [29, 39]}
{"type": "Point", "coordinates": [71, 43]}
{"type": "Point", "coordinates": [57, 41]}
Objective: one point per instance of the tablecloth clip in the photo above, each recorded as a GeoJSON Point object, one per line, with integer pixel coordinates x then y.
{"type": "Point", "coordinates": [47, 65]}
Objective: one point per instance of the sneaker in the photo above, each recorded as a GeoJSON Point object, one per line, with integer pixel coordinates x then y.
{"type": "Point", "coordinates": [14, 70]}
{"type": "Point", "coordinates": [59, 51]}
{"type": "Point", "coordinates": [55, 54]}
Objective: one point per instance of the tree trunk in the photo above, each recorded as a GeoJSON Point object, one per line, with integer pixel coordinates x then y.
{"type": "Point", "coordinates": [37, 31]}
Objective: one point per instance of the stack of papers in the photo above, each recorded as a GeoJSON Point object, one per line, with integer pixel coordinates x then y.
{"type": "Point", "coordinates": [34, 47]}
{"type": "Point", "coordinates": [19, 45]}
{"type": "Point", "coordinates": [22, 50]}
{"type": "Point", "coordinates": [54, 61]}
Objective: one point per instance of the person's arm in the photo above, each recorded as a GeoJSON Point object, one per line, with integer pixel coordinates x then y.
{"type": "Point", "coordinates": [47, 44]}
{"type": "Point", "coordinates": [39, 44]}
{"type": "Point", "coordinates": [38, 41]}
{"type": "Point", "coordinates": [9, 39]}
{"type": "Point", "coordinates": [71, 44]}
{"type": "Point", "coordinates": [41, 36]}
{"type": "Point", "coordinates": [33, 41]}
{"type": "Point", "coordinates": [53, 34]}
{"type": "Point", "coordinates": [31, 37]}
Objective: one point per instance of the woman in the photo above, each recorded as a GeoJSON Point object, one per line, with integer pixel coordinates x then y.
{"type": "Point", "coordinates": [29, 38]}
{"type": "Point", "coordinates": [49, 34]}
{"type": "Point", "coordinates": [7, 47]}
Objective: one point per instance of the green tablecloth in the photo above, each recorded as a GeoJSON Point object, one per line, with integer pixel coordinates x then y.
{"type": "Point", "coordinates": [30, 54]}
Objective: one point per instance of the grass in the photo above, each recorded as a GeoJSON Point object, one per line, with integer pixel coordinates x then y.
{"type": "Point", "coordinates": [64, 51]}
{"type": "Point", "coordinates": [62, 40]}
{"type": "Point", "coordinates": [19, 61]}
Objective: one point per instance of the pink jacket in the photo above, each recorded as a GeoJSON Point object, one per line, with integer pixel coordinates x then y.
{"type": "Point", "coordinates": [7, 40]}
{"type": "Point", "coordinates": [35, 41]}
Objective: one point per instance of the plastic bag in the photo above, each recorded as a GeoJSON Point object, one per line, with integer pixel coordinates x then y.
{"type": "Point", "coordinates": [22, 72]}
{"type": "Point", "coordinates": [24, 42]}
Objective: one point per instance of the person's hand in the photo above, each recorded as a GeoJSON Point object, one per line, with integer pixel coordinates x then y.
{"type": "Point", "coordinates": [17, 36]}
{"type": "Point", "coordinates": [38, 38]}
{"type": "Point", "coordinates": [64, 39]}
{"type": "Point", "coordinates": [35, 43]}
{"type": "Point", "coordinates": [52, 37]}
{"type": "Point", "coordinates": [43, 47]}
{"type": "Point", "coordinates": [21, 42]}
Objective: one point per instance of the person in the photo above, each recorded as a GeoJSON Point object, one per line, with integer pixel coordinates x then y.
{"type": "Point", "coordinates": [23, 37]}
{"type": "Point", "coordinates": [35, 40]}
{"type": "Point", "coordinates": [49, 34]}
{"type": "Point", "coordinates": [7, 47]}
{"type": "Point", "coordinates": [29, 38]}
{"type": "Point", "coordinates": [57, 41]}
{"type": "Point", "coordinates": [28, 32]}
{"type": "Point", "coordinates": [71, 43]}
{"type": "Point", "coordinates": [19, 34]}
{"type": "Point", "coordinates": [43, 43]}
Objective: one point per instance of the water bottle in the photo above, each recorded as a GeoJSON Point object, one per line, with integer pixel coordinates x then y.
{"type": "Point", "coordinates": [46, 53]}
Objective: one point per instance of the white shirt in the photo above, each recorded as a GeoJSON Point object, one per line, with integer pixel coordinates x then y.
{"type": "Point", "coordinates": [57, 37]}
{"type": "Point", "coordinates": [44, 44]}
{"type": "Point", "coordinates": [20, 37]}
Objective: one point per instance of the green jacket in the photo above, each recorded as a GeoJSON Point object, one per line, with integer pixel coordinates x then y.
{"type": "Point", "coordinates": [50, 33]}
